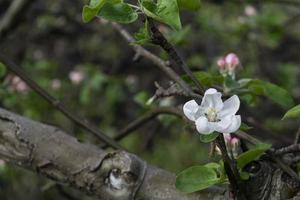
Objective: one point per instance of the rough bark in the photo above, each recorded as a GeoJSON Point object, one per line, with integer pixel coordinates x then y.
{"type": "Point", "coordinates": [105, 175]}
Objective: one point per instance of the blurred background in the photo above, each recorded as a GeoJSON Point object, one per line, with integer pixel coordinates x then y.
{"type": "Point", "coordinates": [91, 69]}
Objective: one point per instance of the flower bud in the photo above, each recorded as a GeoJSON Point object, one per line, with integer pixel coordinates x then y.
{"type": "Point", "coordinates": [235, 142]}
{"type": "Point", "coordinates": [76, 77]}
{"type": "Point", "coordinates": [232, 60]}
{"type": "Point", "coordinates": [221, 63]}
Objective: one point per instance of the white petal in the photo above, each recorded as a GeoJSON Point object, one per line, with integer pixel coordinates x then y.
{"type": "Point", "coordinates": [190, 109]}
{"type": "Point", "coordinates": [230, 106]}
{"type": "Point", "coordinates": [223, 124]}
{"type": "Point", "coordinates": [212, 99]}
{"type": "Point", "coordinates": [235, 124]}
{"type": "Point", "coordinates": [203, 126]}
{"type": "Point", "coordinates": [210, 91]}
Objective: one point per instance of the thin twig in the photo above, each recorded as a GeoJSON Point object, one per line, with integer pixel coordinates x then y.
{"type": "Point", "coordinates": [161, 64]}
{"type": "Point", "coordinates": [57, 104]}
{"type": "Point", "coordinates": [159, 39]}
{"type": "Point", "coordinates": [140, 121]}
{"type": "Point", "coordinates": [289, 149]}
{"type": "Point", "coordinates": [15, 8]}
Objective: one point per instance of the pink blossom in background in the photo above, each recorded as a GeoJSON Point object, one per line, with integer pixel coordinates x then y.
{"type": "Point", "coordinates": [232, 60]}
{"type": "Point", "coordinates": [76, 77]}
{"type": "Point", "coordinates": [228, 64]}
{"type": "Point", "coordinates": [250, 11]}
{"type": "Point", "coordinates": [221, 63]}
{"type": "Point", "coordinates": [56, 84]}
{"type": "Point", "coordinates": [17, 84]}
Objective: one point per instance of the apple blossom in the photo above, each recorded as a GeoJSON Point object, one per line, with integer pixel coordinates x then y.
{"type": "Point", "coordinates": [213, 114]}
{"type": "Point", "coordinates": [76, 76]}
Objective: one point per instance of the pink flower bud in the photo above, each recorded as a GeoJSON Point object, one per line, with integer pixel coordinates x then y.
{"type": "Point", "coordinates": [76, 77]}
{"type": "Point", "coordinates": [235, 142]}
{"type": "Point", "coordinates": [232, 60]}
{"type": "Point", "coordinates": [221, 63]}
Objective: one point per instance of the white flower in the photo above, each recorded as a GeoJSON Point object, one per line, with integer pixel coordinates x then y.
{"type": "Point", "coordinates": [214, 115]}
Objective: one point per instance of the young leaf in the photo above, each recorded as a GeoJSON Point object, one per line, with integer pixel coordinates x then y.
{"type": "Point", "coordinates": [292, 113]}
{"type": "Point", "coordinates": [245, 127]}
{"type": "Point", "coordinates": [208, 138]}
{"type": "Point", "coordinates": [252, 154]}
{"type": "Point", "coordinates": [165, 11]}
{"type": "Point", "coordinates": [196, 178]}
{"type": "Point", "coordinates": [92, 10]}
{"type": "Point", "coordinates": [142, 36]}
{"type": "Point", "coordinates": [120, 12]}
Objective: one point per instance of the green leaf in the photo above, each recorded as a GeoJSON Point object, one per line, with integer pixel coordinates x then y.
{"type": "Point", "coordinates": [142, 36]}
{"type": "Point", "coordinates": [245, 127]}
{"type": "Point", "coordinates": [120, 12]}
{"type": "Point", "coordinates": [192, 5]}
{"type": "Point", "coordinates": [95, 6]}
{"type": "Point", "coordinates": [244, 176]}
{"type": "Point", "coordinates": [206, 79]}
{"type": "Point", "coordinates": [196, 178]}
{"type": "Point", "coordinates": [272, 91]}
{"type": "Point", "coordinates": [165, 11]}
{"type": "Point", "coordinates": [252, 154]}
{"type": "Point", "coordinates": [292, 113]}
{"type": "Point", "coordinates": [208, 138]}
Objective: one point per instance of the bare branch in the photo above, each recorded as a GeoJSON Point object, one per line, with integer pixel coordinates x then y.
{"type": "Point", "coordinates": [15, 8]}
{"type": "Point", "coordinates": [116, 175]}
{"type": "Point", "coordinates": [161, 64]}
{"type": "Point", "coordinates": [146, 118]}
{"type": "Point", "coordinates": [159, 39]}
{"type": "Point", "coordinates": [57, 104]}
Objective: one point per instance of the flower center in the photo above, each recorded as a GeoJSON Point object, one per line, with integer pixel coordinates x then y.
{"type": "Point", "coordinates": [211, 114]}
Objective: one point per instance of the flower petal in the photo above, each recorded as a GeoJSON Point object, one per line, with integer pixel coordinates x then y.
{"type": "Point", "coordinates": [210, 91]}
{"type": "Point", "coordinates": [212, 99]}
{"type": "Point", "coordinates": [230, 107]}
{"type": "Point", "coordinates": [223, 124]}
{"type": "Point", "coordinates": [190, 109]}
{"type": "Point", "coordinates": [203, 126]}
{"type": "Point", "coordinates": [235, 124]}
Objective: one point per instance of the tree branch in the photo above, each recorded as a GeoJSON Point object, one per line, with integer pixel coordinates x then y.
{"type": "Point", "coordinates": [57, 104]}
{"type": "Point", "coordinates": [161, 64]}
{"type": "Point", "coordinates": [159, 39]}
{"type": "Point", "coordinates": [8, 20]}
{"type": "Point", "coordinates": [146, 118]}
{"type": "Point", "coordinates": [116, 175]}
